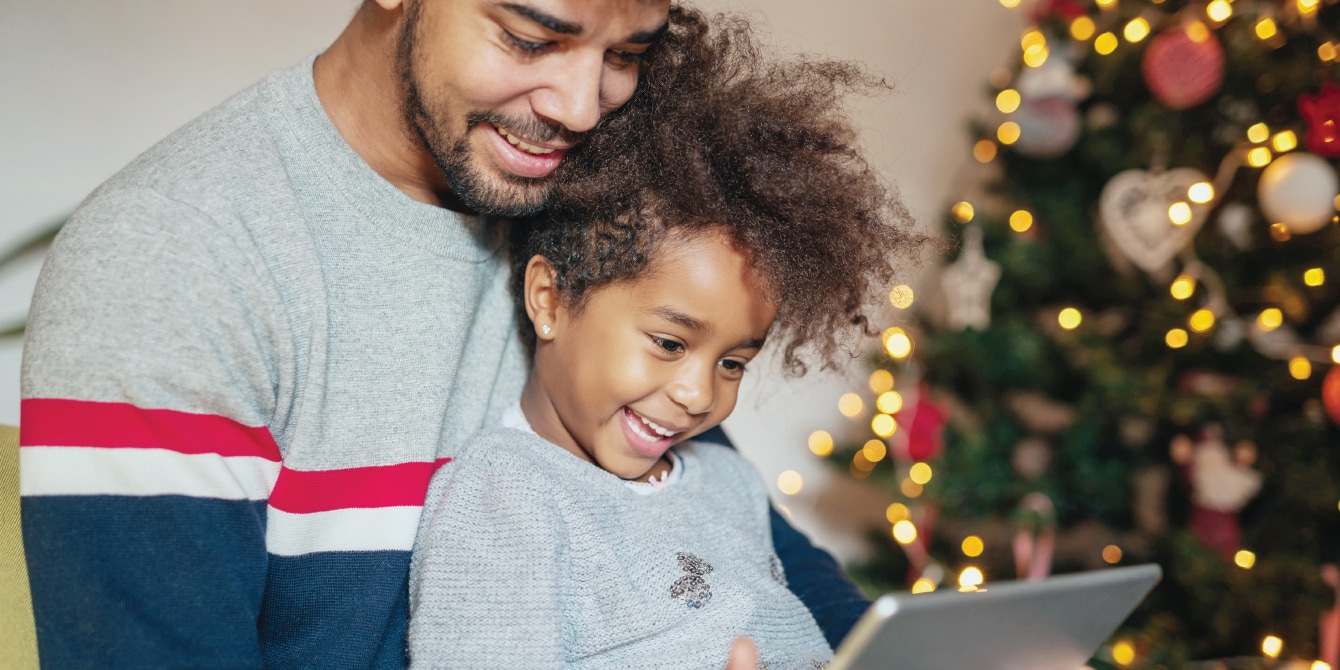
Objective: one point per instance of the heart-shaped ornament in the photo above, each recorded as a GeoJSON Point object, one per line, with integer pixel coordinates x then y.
{"type": "Point", "coordinates": [1134, 208]}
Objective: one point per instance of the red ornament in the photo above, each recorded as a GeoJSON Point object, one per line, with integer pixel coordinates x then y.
{"type": "Point", "coordinates": [924, 422]}
{"type": "Point", "coordinates": [1066, 9]}
{"type": "Point", "coordinates": [1330, 394]}
{"type": "Point", "coordinates": [1184, 66]}
{"type": "Point", "coordinates": [1322, 113]}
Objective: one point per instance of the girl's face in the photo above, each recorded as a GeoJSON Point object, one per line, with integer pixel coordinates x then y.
{"type": "Point", "coordinates": [647, 363]}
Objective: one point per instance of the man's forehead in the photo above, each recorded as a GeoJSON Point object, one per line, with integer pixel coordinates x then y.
{"type": "Point", "coordinates": [637, 21]}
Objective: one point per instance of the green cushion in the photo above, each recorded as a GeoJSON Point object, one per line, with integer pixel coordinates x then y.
{"type": "Point", "coordinates": [18, 637]}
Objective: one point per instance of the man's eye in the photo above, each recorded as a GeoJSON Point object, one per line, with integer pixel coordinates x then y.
{"type": "Point", "coordinates": [669, 346]}
{"type": "Point", "coordinates": [524, 45]}
{"type": "Point", "coordinates": [624, 58]}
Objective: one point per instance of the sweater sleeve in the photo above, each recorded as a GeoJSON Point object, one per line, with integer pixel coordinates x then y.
{"type": "Point", "coordinates": [145, 458]}
{"type": "Point", "coordinates": [486, 580]}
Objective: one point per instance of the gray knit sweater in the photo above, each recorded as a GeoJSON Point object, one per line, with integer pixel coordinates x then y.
{"type": "Point", "coordinates": [529, 557]}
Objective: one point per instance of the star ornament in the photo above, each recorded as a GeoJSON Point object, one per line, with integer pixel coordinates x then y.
{"type": "Point", "coordinates": [968, 283]}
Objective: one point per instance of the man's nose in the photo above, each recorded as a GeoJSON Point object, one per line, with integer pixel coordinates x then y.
{"type": "Point", "coordinates": [572, 98]}
{"type": "Point", "coordinates": [694, 389]}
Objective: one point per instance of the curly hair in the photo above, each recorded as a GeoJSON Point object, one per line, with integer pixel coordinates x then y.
{"type": "Point", "coordinates": [720, 136]}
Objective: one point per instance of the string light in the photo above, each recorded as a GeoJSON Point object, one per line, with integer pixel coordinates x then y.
{"type": "Point", "coordinates": [1259, 157]}
{"type": "Point", "coordinates": [1007, 101]}
{"type": "Point", "coordinates": [1176, 338]}
{"type": "Point", "coordinates": [850, 404]}
{"type": "Point", "coordinates": [1069, 318]}
{"type": "Point", "coordinates": [905, 532]}
{"type": "Point", "coordinates": [1107, 4]}
{"type": "Point", "coordinates": [1200, 192]}
{"type": "Point", "coordinates": [1280, 232]}
{"type": "Point", "coordinates": [897, 343]}
{"type": "Point", "coordinates": [790, 482]}
{"type": "Point", "coordinates": [972, 546]}
{"type": "Point", "coordinates": [901, 296]}
{"type": "Point", "coordinates": [1326, 52]}
{"type": "Point", "coordinates": [1219, 11]}
{"type": "Point", "coordinates": [1112, 554]}
{"type": "Point", "coordinates": [1009, 4]}
{"type": "Point", "coordinates": [1036, 57]}
{"type": "Point", "coordinates": [1284, 141]}
{"type": "Point", "coordinates": [1136, 30]}
{"type": "Point", "coordinates": [1300, 368]}
{"type": "Point", "coordinates": [971, 578]}
{"type": "Point", "coordinates": [1105, 44]}
{"type": "Point", "coordinates": [963, 211]}
{"type": "Point", "coordinates": [910, 488]}
{"type": "Point", "coordinates": [1244, 559]}
{"type": "Point", "coordinates": [1272, 646]}
{"type": "Point", "coordinates": [1021, 220]}
{"type": "Point", "coordinates": [923, 585]}
{"type": "Point", "coordinates": [1308, 7]}
{"type": "Point", "coordinates": [1314, 277]}
{"type": "Point", "coordinates": [1123, 653]}
{"type": "Point", "coordinates": [897, 512]}
{"type": "Point", "coordinates": [1258, 133]}
{"type": "Point", "coordinates": [1265, 28]}
{"type": "Point", "coordinates": [1032, 39]}
{"type": "Point", "coordinates": [920, 473]}
{"type": "Point", "coordinates": [1335, 354]}
{"type": "Point", "coordinates": [821, 443]}
{"type": "Point", "coordinates": [1270, 319]}
{"type": "Point", "coordinates": [1183, 287]}
{"type": "Point", "coordinates": [1320, 665]}
{"type": "Point", "coordinates": [1008, 133]}
{"type": "Point", "coordinates": [1179, 213]}
{"type": "Point", "coordinates": [889, 402]}
{"type": "Point", "coordinates": [883, 425]}
{"type": "Point", "coordinates": [1197, 31]}
{"type": "Point", "coordinates": [984, 151]}
{"type": "Point", "coordinates": [880, 381]}
{"type": "Point", "coordinates": [1082, 28]}
{"type": "Point", "coordinates": [874, 451]}
{"type": "Point", "coordinates": [1201, 320]}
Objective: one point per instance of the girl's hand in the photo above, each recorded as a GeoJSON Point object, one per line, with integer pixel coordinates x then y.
{"type": "Point", "coordinates": [743, 655]}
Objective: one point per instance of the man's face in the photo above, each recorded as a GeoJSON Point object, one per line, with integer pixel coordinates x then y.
{"type": "Point", "coordinates": [499, 90]}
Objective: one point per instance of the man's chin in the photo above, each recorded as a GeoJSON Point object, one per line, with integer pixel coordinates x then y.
{"type": "Point", "coordinates": [499, 195]}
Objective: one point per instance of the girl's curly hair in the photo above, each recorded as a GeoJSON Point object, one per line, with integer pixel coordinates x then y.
{"type": "Point", "coordinates": [720, 136]}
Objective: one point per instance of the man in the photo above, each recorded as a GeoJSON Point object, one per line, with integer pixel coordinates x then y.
{"type": "Point", "coordinates": [250, 350]}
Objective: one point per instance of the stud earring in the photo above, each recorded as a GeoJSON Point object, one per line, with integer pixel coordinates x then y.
{"type": "Point", "coordinates": [544, 330]}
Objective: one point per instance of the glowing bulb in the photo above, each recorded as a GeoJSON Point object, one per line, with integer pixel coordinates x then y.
{"type": "Point", "coordinates": [1036, 57]}
{"type": "Point", "coordinates": [910, 488]}
{"type": "Point", "coordinates": [897, 512]}
{"type": "Point", "coordinates": [962, 212]}
{"type": "Point", "coordinates": [1179, 213]}
{"type": "Point", "coordinates": [1284, 141]}
{"type": "Point", "coordinates": [1008, 132]}
{"type": "Point", "coordinates": [924, 585]}
{"type": "Point", "coordinates": [1200, 192]}
{"type": "Point", "coordinates": [821, 443]}
{"type": "Point", "coordinates": [1069, 318]}
{"type": "Point", "coordinates": [1314, 277]}
{"type": "Point", "coordinates": [1270, 319]}
{"type": "Point", "coordinates": [1021, 220]}
{"type": "Point", "coordinates": [970, 577]}
{"type": "Point", "coordinates": [1007, 100]}
{"type": "Point", "coordinates": [1032, 39]}
{"type": "Point", "coordinates": [850, 404]}
{"type": "Point", "coordinates": [1123, 653]}
{"type": "Point", "coordinates": [1136, 30]}
{"type": "Point", "coordinates": [1219, 11]}
{"type": "Point", "coordinates": [1300, 368]}
{"type": "Point", "coordinates": [1107, 4]}
{"type": "Point", "coordinates": [1105, 44]}
{"type": "Point", "coordinates": [1082, 28]}
{"type": "Point", "coordinates": [1326, 51]}
{"type": "Point", "coordinates": [1112, 554]}
{"type": "Point", "coordinates": [1335, 354]}
{"type": "Point", "coordinates": [1272, 646]}
{"type": "Point", "coordinates": [790, 483]}
{"type": "Point", "coordinates": [897, 343]}
{"type": "Point", "coordinates": [984, 151]}
{"type": "Point", "coordinates": [1201, 320]}
{"type": "Point", "coordinates": [889, 402]}
{"type": "Point", "coordinates": [901, 296]}
{"type": "Point", "coordinates": [1176, 338]}
{"type": "Point", "coordinates": [883, 425]}
{"type": "Point", "coordinates": [1183, 287]}
{"type": "Point", "coordinates": [1244, 559]}
{"type": "Point", "coordinates": [874, 451]}
{"type": "Point", "coordinates": [1258, 133]}
{"type": "Point", "coordinates": [881, 381]}
{"type": "Point", "coordinates": [1307, 7]}
{"type": "Point", "coordinates": [1320, 665]}
{"type": "Point", "coordinates": [1259, 157]}
{"type": "Point", "coordinates": [1280, 232]}
{"type": "Point", "coordinates": [972, 546]}
{"type": "Point", "coordinates": [1265, 28]}
{"type": "Point", "coordinates": [920, 473]}
{"type": "Point", "coordinates": [905, 532]}
{"type": "Point", "coordinates": [1197, 31]}
{"type": "Point", "coordinates": [1009, 4]}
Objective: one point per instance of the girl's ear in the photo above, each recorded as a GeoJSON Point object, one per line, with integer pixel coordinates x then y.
{"type": "Point", "coordinates": [542, 298]}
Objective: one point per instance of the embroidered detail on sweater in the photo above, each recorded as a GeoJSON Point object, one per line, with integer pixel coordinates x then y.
{"type": "Point", "coordinates": [692, 589]}
{"type": "Point", "coordinates": [775, 569]}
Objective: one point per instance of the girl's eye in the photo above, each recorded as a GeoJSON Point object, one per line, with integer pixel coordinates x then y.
{"type": "Point", "coordinates": [524, 45]}
{"type": "Point", "coordinates": [732, 366]}
{"type": "Point", "coordinates": [668, 345]}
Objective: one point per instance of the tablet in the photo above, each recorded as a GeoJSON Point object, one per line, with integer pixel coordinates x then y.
{"type": "Point", "coordinates": [1049, 624]}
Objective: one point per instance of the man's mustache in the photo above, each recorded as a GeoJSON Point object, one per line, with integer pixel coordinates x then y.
{"type": "Point", "coordinates": [530, 128]}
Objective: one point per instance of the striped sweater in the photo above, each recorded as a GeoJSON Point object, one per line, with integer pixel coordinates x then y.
{"type": "Point", "coordinates": [247, 355]}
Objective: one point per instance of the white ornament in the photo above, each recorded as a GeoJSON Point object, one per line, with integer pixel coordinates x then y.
{"type": "Point", "coordinates": [1134, 208]}
{"type": "Point", "coordinates": [968, 283]}
{"type": "Point", "coordinates": [1217, 482]}
{"type": "Point", "coordinates": [1298, 190]}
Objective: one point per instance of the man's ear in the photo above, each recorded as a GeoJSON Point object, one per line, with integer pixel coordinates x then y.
{"type": "Point", "coordinates": [542, 299]}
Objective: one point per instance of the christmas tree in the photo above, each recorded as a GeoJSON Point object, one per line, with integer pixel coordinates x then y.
{"type": "Point", "coordinates": [1132, 353]}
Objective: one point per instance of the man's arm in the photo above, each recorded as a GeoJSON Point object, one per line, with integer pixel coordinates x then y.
{"type": "Point", "coordinates": [145, 462]}
{"type": "Point", "coordinates": [811, 573]}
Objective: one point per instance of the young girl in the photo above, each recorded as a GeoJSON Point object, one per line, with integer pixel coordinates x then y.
{"type": "Point", "coordinates": [724, 207]}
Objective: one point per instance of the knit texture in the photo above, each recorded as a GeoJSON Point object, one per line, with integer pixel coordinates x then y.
{"type": "Point", "coordinates": [528, 556]}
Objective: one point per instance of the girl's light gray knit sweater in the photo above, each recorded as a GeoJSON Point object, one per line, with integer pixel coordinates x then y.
{"type": "Point", "coordinates": [529, 557]}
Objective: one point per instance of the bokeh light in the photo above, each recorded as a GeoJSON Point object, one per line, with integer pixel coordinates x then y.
{"type": "Point", "coordinates": [1008, 132]}
{"type": "Point", "coordinates": [971, 577]}
{"type": "Point", "coordinates": [1258, 133]}
{"type": "Point", "coordinates": [1007, 100]}
{"type": "Point", "coordinates": [850, 404]}
{"type": "Point", "coordinates": [1183, 287]}
{"type": "Point", "coordinates": [923, 585]}
{"type": "Point", "coordinates": [1201, 320]}
{"type": "Point", "coordinates": [881, 381]}
{"type": "Point", "coordinates": [897, 512]}
{"type": "Point", "coordinates": [821, 443]}
{"type": "Point", "coordinates": [972, 546]}
{"type": "Point", "coordinates": [1123, 653]}
{"type": "Point", "coordinates": [889, 402]}
{"type": "Point", "coordinates": [1069, 318]}
{"type": "Point", "coordinates": [883, 425]}
{"type": "Point", "coordinates": [1300, 368]}
{"type": "Point", "coordinates": [1270, 319]}
{"type": "Point", "coordinates": [920, 473]}
{"type": "Point", "coordinates": [984, 151]}
{"type": "Point", "coordinates": [1200, 192]}
{"type": "Point", "coordinates": [901, 296]}
{"type": "Point", "coordinates": [962, 211]}
{"type": "Point", "coordinates": [1082, 28]}
{"type": "Point", "coordinates": [905, 532]}
{"type": "Point", "coordinates": [1284, 141]}
{"type": "Point", "coordinates": [1112, 554]}
{"type": "Point", "coordinates": [1314, 277]}
{"type": "Point", "coordinates": [1259, 157]}
{"type": "Point", "coordinates": [1136, 30]}
{"type": "Point", "coordinates": [1272, 646]}
{"type": "Point", "coordinates": [790, 482]}
{"type": "Point", "coordinates": [897, 343]}
{"type": "Point", "coordinates": [1219, 11]}
{"type": "Point", "coordinates": [1176, 338]}
{"type": "Point", "coordinates": [1179, 213]}
{"type": "Point", "coordinates": [1244, 559]}
{"type": "Point", "coordinates": [874, 450]}
{"type": "Point", "coordinates": [1265, 28]}
{"type": "Point", "coordinates": [1021, 220]}
{"type": "Point", "coordinates": [1105, 44]}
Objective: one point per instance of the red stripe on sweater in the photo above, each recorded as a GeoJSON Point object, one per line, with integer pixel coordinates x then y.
{"type": "Point", "coordinates": [58, 422]}
{"type": "Point", "coordinates": [308, 491]}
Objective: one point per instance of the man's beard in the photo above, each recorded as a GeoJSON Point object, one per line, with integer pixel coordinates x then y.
{"type": "Point", "coordinates": [506, 195]}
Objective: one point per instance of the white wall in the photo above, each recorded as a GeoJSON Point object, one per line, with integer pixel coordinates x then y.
{"type": "Point", "coordinates": [88, 84]}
